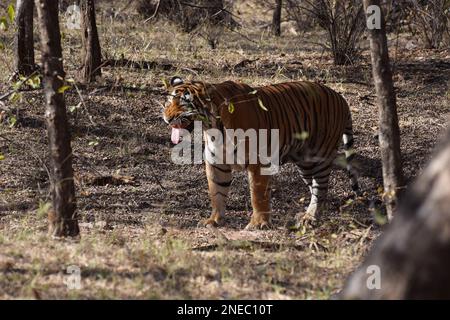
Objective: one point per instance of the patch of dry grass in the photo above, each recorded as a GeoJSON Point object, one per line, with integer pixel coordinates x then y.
{"type": "Point", "coordinates": [144, 262]}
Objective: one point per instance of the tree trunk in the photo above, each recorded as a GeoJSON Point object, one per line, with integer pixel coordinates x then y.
{"type": "Point", "coordinates": [24, 43]}
{"type": "Point", "coordinates": [62, 217]}
{"type": "Point", "coordinates": [276, 19]}
{"type": "Point", "coordinates": [92, 57]}
{"type": "Point", "coordinates": [413, 255]}
{"type": "Point", "coordinates": [389, 136]}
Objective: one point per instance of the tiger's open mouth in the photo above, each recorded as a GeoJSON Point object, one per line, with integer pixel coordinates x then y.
{"type": "Point", "coordinates": [176, 135]}
{"type": "Point", "coordinates": [184, 120]}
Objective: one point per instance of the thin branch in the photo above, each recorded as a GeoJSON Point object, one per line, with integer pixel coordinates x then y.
{"type": "Point", "coordinates": [155, 13]}
{"type": "Point", "coordinates": [209, 7]}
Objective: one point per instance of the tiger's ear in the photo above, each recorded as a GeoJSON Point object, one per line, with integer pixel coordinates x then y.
{"type": "Point", "coordinates": [176, 81]}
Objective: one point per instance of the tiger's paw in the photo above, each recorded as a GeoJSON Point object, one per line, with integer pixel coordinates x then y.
{"type": "Point", "coordinates": [305, 219]}
{"type": "Point", "coordinates": [259, 222]}
{"type": "Point", "coordinates": [210, 222]}
{"type": "Point", "coordinates": [258, 226]}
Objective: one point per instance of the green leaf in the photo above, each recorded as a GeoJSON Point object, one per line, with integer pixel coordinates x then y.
{"type": "Point", "coordinates": [15, 97]}
{"type": "Point", "coordinates": [2, 157]}
{"type": "Point", "coordinates": [341, 161]}
{"type": "Point", "coordinates": [43, 208]}
{"type": "Point", "coordinates": [166, 84]}
{"type": "Point", "coordinates": [261, 105]}
{"type": "Point", "coordinates": [3, 24]}
{"type": "Point", "coordinates": [2, 46]}
{"type": "Point", "coordinates": [34, 82]}
{"type": "Point", "coordinates": [93, 143]}
{"type": "Point", "coordinates": [11, 12]}
{"type": "Point", "coordinates": [74, 108]}
{"type": "Point", "coordinates": [231, 107]}
{"type": "Point", "coordinates": [379, 217]}
{"type": "Point", "coordinates": [203, 119]}
{"type": "Point", "coordinates": [16, 85]}
{"type": "Point", "coordinates": [302, 136]}
{"type": "Point", "coordinates": [12, 121]}
{"type": "Point", "coordinates": [63, 89]}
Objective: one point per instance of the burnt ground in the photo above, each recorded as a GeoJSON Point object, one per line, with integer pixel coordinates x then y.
{"type": "Point", "coordinates": [138, 211]}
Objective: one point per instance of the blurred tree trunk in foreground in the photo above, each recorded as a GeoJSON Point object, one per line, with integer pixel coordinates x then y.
{"type": "Point", "coordinates": [24, 42]}
{"type": "Point", "coordinates": [413, 254]}
{"type": "Point", "coordinates": [91, 56]}
{"type": "Point", "coordinates": [389, 136]}
{"type": "Point", "coordinates": [62, 217]}
{"type": "Point", "coordinates": [276, 19]}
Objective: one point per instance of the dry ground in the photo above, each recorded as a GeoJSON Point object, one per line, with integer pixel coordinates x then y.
{"type": "Point", "coordinates": [138, 234]}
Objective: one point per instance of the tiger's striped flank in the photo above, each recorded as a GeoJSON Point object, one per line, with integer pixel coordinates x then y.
{"type": "Point", "coordinates": [312, 119]}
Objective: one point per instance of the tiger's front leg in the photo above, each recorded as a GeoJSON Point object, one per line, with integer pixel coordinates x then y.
{"type": "Point", "coordinates": [260, 194]}
{"type": "Point", "coordinates": [318, 186]}
{"type": "Point", "coordinates": [219, 181]}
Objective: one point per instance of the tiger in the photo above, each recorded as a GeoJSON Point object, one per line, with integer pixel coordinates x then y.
{"type": "Point", "coordinates": [294, 108]}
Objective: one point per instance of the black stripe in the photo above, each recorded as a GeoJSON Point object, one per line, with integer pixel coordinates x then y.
{"type": "Point", "coordinates": [319, 188]}
{"type": "Point", "coordinates": [290, 111]}
{"type": "Point", "coordinates": [225, 184]}
{"type": "Point", "coordinates": [314, 175]}
{"type": "Point", "coordinates": [323, 113]}
{"type": "Point", "coordinates": [220, 169]}
{"type": "Point", "coordinates": [295, 110]}
{"type": "Point", "coordinates": [349, 144]}
{"type": "Point", "coordinates": [302, 107]}
{"type": "Point", "coordinates": [222, 194]}
{"type": "Point", "coordinates": [323, 182]}
{"type": "Point", "coordinates": [319, 166]}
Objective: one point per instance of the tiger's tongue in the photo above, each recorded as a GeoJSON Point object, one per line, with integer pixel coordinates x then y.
{"type": "Point", "coordinates": [175, 135]}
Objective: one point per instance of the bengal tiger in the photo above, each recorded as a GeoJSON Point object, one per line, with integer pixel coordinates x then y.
{"type": "Point", "coordinates": [293, 108]}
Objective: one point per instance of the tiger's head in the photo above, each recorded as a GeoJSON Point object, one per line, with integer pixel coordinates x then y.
{"type": "Point", "coordinates": [185, 104]}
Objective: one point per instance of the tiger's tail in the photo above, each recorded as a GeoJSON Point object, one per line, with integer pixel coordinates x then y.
{"type": "Point", "coordinates": [347, 138]}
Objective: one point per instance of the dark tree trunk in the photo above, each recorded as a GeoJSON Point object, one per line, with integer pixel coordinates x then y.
{"type": "Point", "coordinates": [62, 217]}
{"type": "Point", "coordinates": [92, 56]}
{"type": "Point", "coordinates": [24, 43]}
{"type": "Point", "coordinates": [389, 136]}
{"type": "Point", "coordinates": [276, 19]}
{"type": "Point", "coordinates": [413, 255]}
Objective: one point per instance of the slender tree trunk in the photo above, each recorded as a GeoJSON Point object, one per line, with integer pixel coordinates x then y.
{"type": "Point", "coordinates": [276, 19]}
{"type": "Point", "coordinates": [62, 217]}
{"type": "Point", "coordinates": [24, 42]}
{"type": "Point", "coordinates": [413, 255]}
{"type": "Point", "coordinates": [389, 136]}
{"type": "Point", "coordinates": [92, 56]}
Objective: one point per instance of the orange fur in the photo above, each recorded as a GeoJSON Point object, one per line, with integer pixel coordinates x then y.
{"type": "Point", "coordinates": [293, 108]}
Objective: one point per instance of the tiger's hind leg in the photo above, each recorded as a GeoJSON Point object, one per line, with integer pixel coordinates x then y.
{"type": "Point", "coordinates": [260, 194]}
{"type": "Point", "coordinates": [219, 181]}
{"type": "Point", "coordinates": [316, 178]}
{"type": "Point", "coordinates": [347, 138]}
